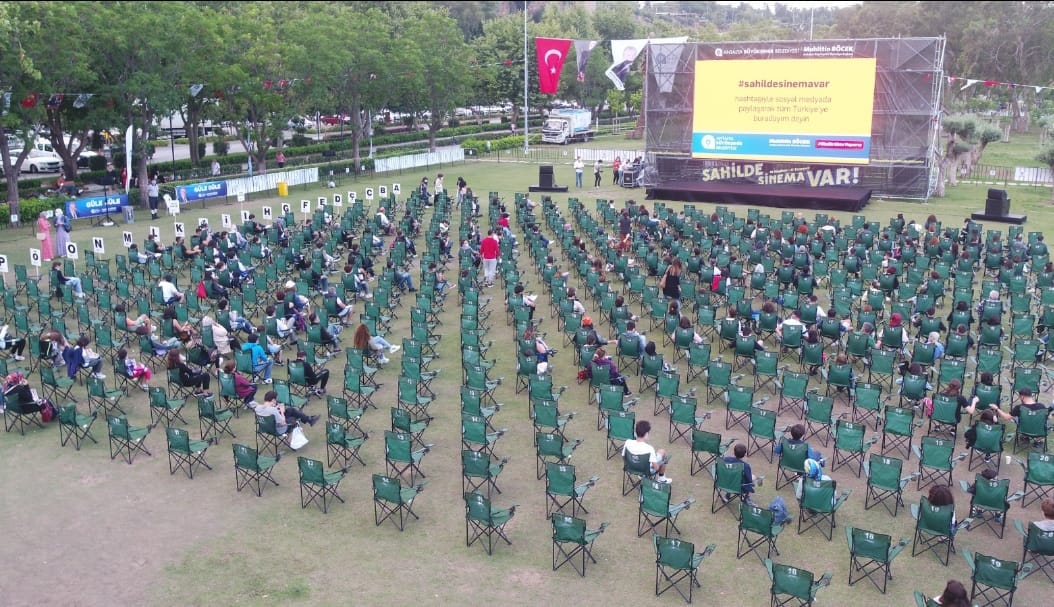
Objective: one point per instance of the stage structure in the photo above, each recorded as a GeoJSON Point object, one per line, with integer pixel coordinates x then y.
{"type": "Point", "coordinates": [817, 123]}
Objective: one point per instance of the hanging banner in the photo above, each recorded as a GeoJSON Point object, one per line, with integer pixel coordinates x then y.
{"type": "Point", "coordinates": [128, 158]}
{"type": "Point", "coordinates": [624, 53]}
{"type": "Point", "coordinates": [187, 194]}
{"type": "Point", "coordinates": [583, 48]}
{"type": "Point", "coordinates": [551, 53]}
{"type": "Point", "coordinates": [91, 206]}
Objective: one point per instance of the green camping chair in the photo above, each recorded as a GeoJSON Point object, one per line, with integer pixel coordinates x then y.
{"type": "Point", "coordinates": [990, 502]}
{"type": "Point", "coordinates": [318, 486]}
{"type": "Point", "coordinates": [871, 553]}
{"type": "Point", "coordinates": [818, 505]}
{"type": "Point", "coordinates": [126, 439]}
{"type": "Point", "coordinates": [562, 489]}
{"type": "Point", "coordinates": [184, 453]}
{"type": "Point", "coordinates": [1039, 477]}
{"type": "Point", "coordinates": [391, 500]}
{"type": "Point", "coordinates": [757, 529]}
{"type": "Point", "coordinates": [987, 448]}
{"type": "Point", "coordinates": [343, 445]}
{"type": "Point", "coordinates": [73, 425]}
{"type": "Point", "coordinates": [849, 445]}
{"type": "Point", "coordinates": [933, 529]}
{"type": "Point", "coordinates": [706, 448]}
{"type": "Point", "coordinates": [572, 539]}
{"type": "Point", "coordinates": [656, 509]}
{"type": "Point", "coordinates": [483, 521]}
{"type": "Point", "coordinates": [401, 458]}
{"type": "Point", "coordinates": [480, 470]}
{"type": "Point", "coordinates": [936, 461]}
{"type": "Point", "coordinates": [884, 482]}
{"type": "Point", "coordinates": [793, 585]}
{"type": "Point", "coordinates": [1038, 551]}
{"type": "Point", "coordinates": [994, 581]}
{"type": "Point", "coordinates": [677, 562]}
{"type": "Point", "coordinates": [728, 487]}
{"type": "Point", "coordinates": [898, 429]}
{"type": "Point", "coordinates": [251, 469]}
{"type": "Point", "coordinates": [620, 428]}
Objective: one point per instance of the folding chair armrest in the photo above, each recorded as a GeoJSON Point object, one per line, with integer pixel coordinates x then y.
{"type": "Point", "coordinates": [761, 401]}
{"type": "Point", "coordinates": [708, 550]}
{"type": "Point", "coordinates": [960, 457]}
{"type": "Point", "coordinates": [871, 441]}
{"type": "Point", "coordinates": [1025, 571]}
{"type": "Point", "coordinates": [907, 479]}
{"type": "Point", "coordinates": [768, 568]}
{"type": "Point", "coordinates": [964, 486]}
{"type": "Point", "coordinates": [1016, 496]}
{"type": "Point", "coordinates": [915, 511]}
{"type": "Point", "coordinates": [841, 499]}
{"type": "Point", "coordinates": [917, 451]}
{"type": "Point", "coordinates": [969, 558]}
{"type": "Point", "coordinates": [849, 537]}
{"type": "Point", "coordinates": [630, 403]}
{"type": "Point", "coordinates": [823, 582]}
{"type": "Point", "coordinates": [725, 445]}
{"type": "Point", "coordinates": [895, 549]}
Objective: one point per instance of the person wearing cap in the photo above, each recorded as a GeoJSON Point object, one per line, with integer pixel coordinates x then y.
{"type": "Point", "coordinates": [591, 332]}
{"type": "Point", "coordinates": [1028, 401]}
{"type": "Point", "coordinates": [896, 321]}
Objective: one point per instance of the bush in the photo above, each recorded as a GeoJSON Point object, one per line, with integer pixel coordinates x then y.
{"type": "Point", "coordinates": [201, 149]}
{"type": "Point", "coordinates": [454, 123]}
{"type": "Point", "coordinates": [299, 140]}
{"type": "Point", "coordinates": [220, 148]}
{"type": "Point", "coordinates": [97, 163]}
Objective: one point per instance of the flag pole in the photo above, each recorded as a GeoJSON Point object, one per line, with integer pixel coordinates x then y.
{"type": "Point", "coordinates": [526, 111]}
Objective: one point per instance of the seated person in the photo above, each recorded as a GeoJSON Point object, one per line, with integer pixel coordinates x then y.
{"type": "Point", "coordinates": [52, 345]}
{"type": "Point", "coordinates": [601, 358]}
{"type": "Point", "coordinates": [16, 387]}
{"type": "Point", "coordinates": [343, 310]}
{"type": "Point", "coordinates": [58, 279]}
{"type": "Point", "coordinates": [134, 370]}
{"type": "Point", "coordinates": [319, 376]}
{"type": "Point", "coordinates": [738, 453]}
{"type": "Point", "coordinates": [283, 415]}
{"type": "Point", "coordinates": [686, 323]}
{"type": "Point", "coordinates": [184, 250]}
{"type": "Point", "coordinates": [262, 363]}
{"type": "Point", "coordinates": [245, 389]}
{"type": "Point", "coordinates": [160, 348]}
{"type": "Point", "coordinates": [328, 333]}
{"type": "Point", "coordinates": [639, 446]}
{"type": "Point", "coordinates": [188, 377]}
{"type": "Point", "coordinates": [631, 332]}
{"type": "Point", "coordinates": [373, 344]}
{"type": "Point", "coordinates": [1028, 401]}
{"type": "Point", "coordinates": [79, 356]}
{"type": "Point", "coordinates": [954, 595]}
{"type": "Point", "coordinates": [237, 321]}
{"type": "Point", "coordinates": [542, 351]}
{"type": "Point", "coordinates": [597, 338]}
{"type": "Point", "coordinates": [169, 293]}
{"type": "Point", "coordinates": [1047, 522]}
{"type": "Point", "coordinates": [16, 345]}
{"type": "Point", "coordinates": [797, 437]}
{"type": "Point", "coordinates": [184, 331]}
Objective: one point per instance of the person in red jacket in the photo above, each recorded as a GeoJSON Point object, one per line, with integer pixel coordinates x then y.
{"type": "Point", "coordinates": [488, 250]}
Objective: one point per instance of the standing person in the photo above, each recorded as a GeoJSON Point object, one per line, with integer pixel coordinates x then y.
{"type": "Point", "coordinates": [280, 159]}
{"type": "Point", "coordinates": [152, 193]}
{"type": "Point", "coordinates": [47, 248]}
{"type": "Point", "coordinates": [438, 187]}
{"type": "Point", "coordinates": [616, 170]}
{"type": "Point", "coordinates": [596, 173]}
{"type": "Point", "coordinates": [579, 168]}
{"type": "Point", "coordinates": [215, 168]}
{"type": "Point", "coordinates": [670, 283]}
{"type": "Point", "coordinates": [62, 232]}
{"type": "Point", "coordinates": [639, 446]}
{"type": "Point", "coordinates": [489, 248]}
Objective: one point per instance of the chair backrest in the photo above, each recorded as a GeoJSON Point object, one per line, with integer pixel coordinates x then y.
{"type": "Point", "coordinates": [849, 436]}
{"type": "Point", "coordinates": [178, 439]}
{"type": "Point", "coordinates": [1040, 468]}
{"type": "Point", "coordinates": [655, 497]}
{"type": "Point", "coordinates": [397, 446]}
{"type": "Point", "coordinates": [559, 479]}
{"type": "Point", "coordinates": [792, 581]}
{"type": "Point", "coordinates": [674, 553]}
{"type": "Point", "coordinates": [729, 476]}
{"type": "Point", "coordinates": [936, 520]}
{"type": "Point", "coordinates": [884, 472]}
{"type": "Point", "coordinates": [118, 425]}
{"type": "Point", "coordinates": [989, 437]}
{"type": "Point", "coordinates": [756, 519]}
{"type": "Point", "coordinates": [870, 545]}
{"type": "Point", "coordinates": [937, 452]}
{"type": "Point", "coordinates": [990, 494]}
{"type": "Point", "coordinates": [568, 528]}
{"type": "Point", "coordinates": [387, 489]}
{"type": "Point", "coordinates": [311, 471]}
{"type": "Point", "coordinates": [993, 572]}
{"type": "Point", "coordinates": [818, 495]}
{"type": "Point", "coordinates": [633, 463]}
{"type": "Point", "coordinates": [478, 508]}
{"type": "Point", "coordinates": [793, 455]}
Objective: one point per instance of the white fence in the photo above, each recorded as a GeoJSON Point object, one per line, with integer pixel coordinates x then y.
{"type": "Point", "coordinates": [269, 181]}
{"type": "Point", "coordinates": [444, 155]}
{"type": "Point", "coordinates": [607, 156]}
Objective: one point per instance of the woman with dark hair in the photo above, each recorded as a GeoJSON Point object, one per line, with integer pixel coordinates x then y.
{"type": "Point", "coordinates": [954, 595]}
{"type": "Point", "coordinates": [245, 389]}
{"type": "Point", "coordinates": [600, 358]}
{"type": "Point", "coordinates": [670, 283]}
{"type": "Point", "coordinates": [188, 377]}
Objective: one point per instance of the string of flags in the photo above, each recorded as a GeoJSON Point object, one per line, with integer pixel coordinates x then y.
{"type": "Point", "coordinates": [968, 82]}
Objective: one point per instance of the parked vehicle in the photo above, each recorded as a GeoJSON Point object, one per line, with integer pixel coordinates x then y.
{"type": "Point", "coordinates": [568, 125]}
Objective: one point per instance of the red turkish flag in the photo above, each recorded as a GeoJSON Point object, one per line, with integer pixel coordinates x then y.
{"type": "Point", "coordinates": [30, 100]}
{"type": "Point", "coordinates": [551, 54]}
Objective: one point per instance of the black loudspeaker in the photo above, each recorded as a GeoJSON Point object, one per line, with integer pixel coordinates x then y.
{"type": "Point", "coordinates": [994, 194]}
{"type": "Point", "coordinates": [545, 176]}
{"type": "Point", "coordinates": [996, 206]}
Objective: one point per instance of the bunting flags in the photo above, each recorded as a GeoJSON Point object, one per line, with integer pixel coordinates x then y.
{"type": "Point", "coordinates": [968, 82]}
{"type": "Point", "coordinates": [551, 54]}
{"type": "Point", "coordinates": [30, 101]}
{"type": "Point", "coordinates": [195, 89]}
{"type": "Point", "coordinates": [7, 103]}
{"type": "Point", "coordinates": [582, 50]}
{"type": "Point", "coordinates": [81, 100]}
{"type": "Point", "coordinates": [54, 101]}
{"type": "Point", "coordinates": [664, 58]}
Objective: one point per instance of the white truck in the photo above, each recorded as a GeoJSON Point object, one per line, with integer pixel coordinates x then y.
{"type": "Point", "coordinates": [567, 125]}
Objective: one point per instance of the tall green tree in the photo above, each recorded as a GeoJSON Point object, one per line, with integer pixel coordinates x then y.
{"type": "Point", "coordinates": [20, 78]}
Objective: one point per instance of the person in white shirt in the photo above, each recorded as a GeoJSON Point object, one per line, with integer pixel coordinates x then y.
{"type": "Point", "coordinates": [383, 220]}
{"type": "Point", "coordinates": [638, 446]}
{"type": "Point", "coordinates": [169, 292]}
{"type": "Point", "coordinates": [794, 320]}
{"type": "Point", "coordinates": [579, 167]}
{"type": "Point", "coordinates": [438, 186]}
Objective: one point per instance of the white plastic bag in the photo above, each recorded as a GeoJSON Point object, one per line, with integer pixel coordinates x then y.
{"type": "Point", "coordinates": [297, 438]}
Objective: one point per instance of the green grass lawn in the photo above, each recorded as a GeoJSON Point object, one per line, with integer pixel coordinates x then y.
{"type": "Point", "coordinates": [167, 540]}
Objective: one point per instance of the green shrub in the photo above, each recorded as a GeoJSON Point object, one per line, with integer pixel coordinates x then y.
{"type": "Point", "coordinates": [220, 148]}
{"type": "Point", "coordinates": [96, 163]}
